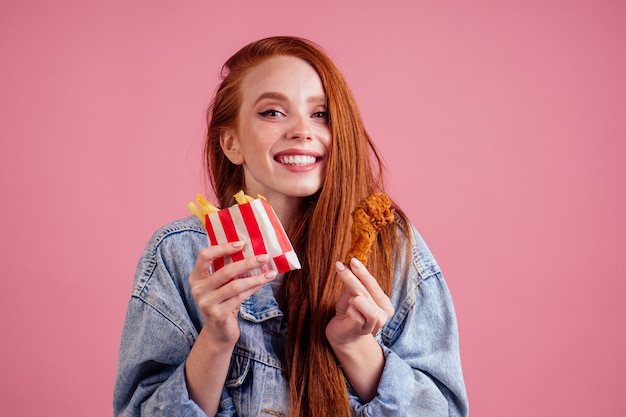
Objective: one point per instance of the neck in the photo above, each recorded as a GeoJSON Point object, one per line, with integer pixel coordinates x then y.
{"type": "Point", "coordinates": [285, 208]}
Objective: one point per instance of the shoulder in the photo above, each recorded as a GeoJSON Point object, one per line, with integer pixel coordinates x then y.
{"type": "Point", "coordinates": [172, 250]}
{"type": "Point", "coordinates": [417, 281]}
{"type": "Point", "coordinates": [177, 230]}
{"type": "Point", "coordinates": [423, 259]}
{"type": "Point", "coordinates": [414, 257]}
{"type": "Point", "coordinates": [414, 266]}
{"type": "Point", "coordinates": [160, 297]}
{"type": "Point", "coordinates": [176, 239]}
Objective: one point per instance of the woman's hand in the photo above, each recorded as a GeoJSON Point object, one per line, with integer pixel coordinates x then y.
{"type": "Point", "coordinates": [219, 295]}
{"type": "Point", "coordinates": [361, 310]}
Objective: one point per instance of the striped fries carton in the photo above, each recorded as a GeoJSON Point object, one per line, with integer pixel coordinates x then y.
{"type": "Point", "coordinates": [256, 224]}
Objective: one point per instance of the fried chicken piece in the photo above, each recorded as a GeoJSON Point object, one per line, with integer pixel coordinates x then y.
{"type": "Point", "coordinates": [368, 217]}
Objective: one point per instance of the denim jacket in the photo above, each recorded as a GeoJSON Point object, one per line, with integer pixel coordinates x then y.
{"type": "Point", "coordinates": [422, 375]}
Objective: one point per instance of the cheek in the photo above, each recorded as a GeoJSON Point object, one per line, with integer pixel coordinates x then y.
{"type": "Point", "coordinates": [327, 139]}
{"type": "Point", "coordinates": [323, 134]}
{"type": "Point", "coordinates": [262, 133]}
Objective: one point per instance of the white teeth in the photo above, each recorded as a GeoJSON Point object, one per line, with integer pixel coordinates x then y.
{"type": "Point", "coordinates": [297, 160]}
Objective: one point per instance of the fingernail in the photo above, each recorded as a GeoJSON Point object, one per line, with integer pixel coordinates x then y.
{"type": "Point", "coordinates": [270, 275]}
{"type": "Point", "coordinates": [340, 266]}
{"type": "Point", "coordinates": [262, 259]}
{"type": "Point", "coordinates": [355, 263]}
{"type": "Point", "coordinates": [237, 244]}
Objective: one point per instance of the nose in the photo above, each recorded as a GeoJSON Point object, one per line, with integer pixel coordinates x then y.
{"type": "Point", "coordinates": [300, 129]}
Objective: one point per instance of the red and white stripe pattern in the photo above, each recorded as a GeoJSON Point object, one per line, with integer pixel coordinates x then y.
{"type": "Point", "coordinates": [256, 224]}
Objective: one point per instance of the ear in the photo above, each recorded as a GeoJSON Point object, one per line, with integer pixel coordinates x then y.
{"type": "Point", "coordinates": [229, 144]}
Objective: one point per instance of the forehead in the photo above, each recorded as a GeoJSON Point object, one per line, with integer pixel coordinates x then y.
{"type": "Point", "coordinates": [286, 75]}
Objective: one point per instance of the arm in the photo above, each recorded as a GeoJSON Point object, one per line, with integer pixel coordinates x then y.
{"type": "Point", "coordinates": [421, 371]}
{"type": "Point", "coordinates": [150, 376]}
{"type": "Point", "coordinates": [163, 325]}
{"type": "Point", "coordinates": [219, 298]}
{"type": "Point", "coordinates": [361, 310]}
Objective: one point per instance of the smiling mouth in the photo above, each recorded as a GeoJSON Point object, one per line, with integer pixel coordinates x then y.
{"type": "Point", "coordinates": [297, 160]}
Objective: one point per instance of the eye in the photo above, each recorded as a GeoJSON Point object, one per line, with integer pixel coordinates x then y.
{"type": "Point", "coordinates": [320, 115]}
{"type": "Point", "coordinates": [271, 113]}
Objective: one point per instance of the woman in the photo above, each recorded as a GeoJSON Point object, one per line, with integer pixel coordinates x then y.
{"type": "Point", "coordinates": [324, 340]}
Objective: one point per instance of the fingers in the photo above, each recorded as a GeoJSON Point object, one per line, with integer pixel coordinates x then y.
{"type": "Point", "coordinates": [220, 292]}
{"type": "Point", "coordinates": [229, 297]}
{"type": "Point", "coordinates": [207, 255]}
{"type": "Point", "coordinates": [359, 279]}
{"type": "Point", "coordinates": [371, 285]}
{"type": "Point", "coordinates": [361, 282]}
{"type": "Point", "coordinates": [205, 259]}
{"type": "Point", "coordinates": [368, 306]}
{"type": "Point", "coordinates": [367, 316]}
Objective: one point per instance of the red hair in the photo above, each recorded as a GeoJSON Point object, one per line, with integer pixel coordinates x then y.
{"type": "Point", "coordinates": [320, 232]}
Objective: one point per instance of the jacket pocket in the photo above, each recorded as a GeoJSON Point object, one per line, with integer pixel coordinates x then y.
{"type": "Point", "coordinates": [238, 370]}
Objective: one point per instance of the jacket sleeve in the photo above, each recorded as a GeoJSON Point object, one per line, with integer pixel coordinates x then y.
{"type": "Point", "coordinates": [150, 378]}
{"type": "Point", "coordinates": [422, 374]}
{"type": "Point", "coordinates": [157, 337]}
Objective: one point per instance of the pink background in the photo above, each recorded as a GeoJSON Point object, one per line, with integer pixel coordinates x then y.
{"type": "Point", "coordinates": [502, 123]}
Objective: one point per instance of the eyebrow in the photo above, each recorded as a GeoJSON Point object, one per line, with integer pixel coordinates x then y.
{"type": "Point", "coordinates": [281, 97]}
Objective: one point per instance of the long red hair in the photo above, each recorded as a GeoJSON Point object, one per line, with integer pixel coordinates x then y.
{"type": "Point", "coordinates": [320, 232]}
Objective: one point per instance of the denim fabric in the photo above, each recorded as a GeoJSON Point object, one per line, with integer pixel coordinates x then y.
{"type": "Point", "coordinates": [422, 374]}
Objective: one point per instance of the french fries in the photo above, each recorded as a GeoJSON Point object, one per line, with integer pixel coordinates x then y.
{"type": "Point", "coordinates": [242, 198]}
{"type": "Point", "coordinates": [203, 207]}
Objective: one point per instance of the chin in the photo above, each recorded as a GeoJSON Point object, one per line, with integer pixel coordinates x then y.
{"type": "Point", "coordinates": [303, 191]}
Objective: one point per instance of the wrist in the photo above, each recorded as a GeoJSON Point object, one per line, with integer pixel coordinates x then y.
{"type": "Point", "coordinates": [215, 346]}
{"type": "Point", "coordinates": [357, 348]}
{"type": "Point", "coordinates": [362, 362]}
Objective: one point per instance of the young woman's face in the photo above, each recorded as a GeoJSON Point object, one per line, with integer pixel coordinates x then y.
{"type": "Point", "coordinates": [282, 136]}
